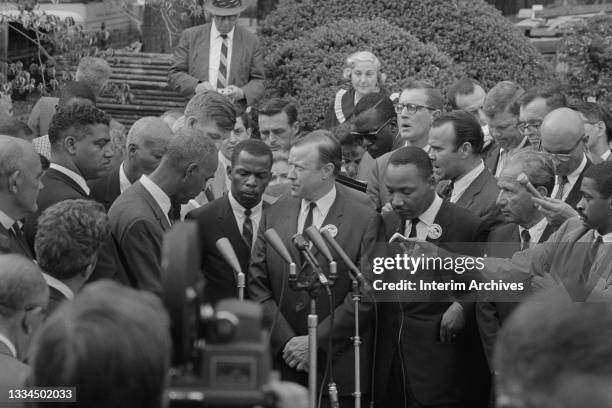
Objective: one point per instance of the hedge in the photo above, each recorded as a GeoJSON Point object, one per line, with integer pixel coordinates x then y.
{"type": "Point", "coordinates": [473, 33]}
{"type": "Point", "coordinates": [584, 60]}
{"type": "Point", "coordinates": [310, 67]}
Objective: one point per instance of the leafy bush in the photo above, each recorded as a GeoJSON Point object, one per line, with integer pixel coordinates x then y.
{"type": "Point", "coordinates": [310, 67]}
{"type": "Point", "coordinates": [584, 59]}
{"type": "Point", "coordinates": [474, 34]}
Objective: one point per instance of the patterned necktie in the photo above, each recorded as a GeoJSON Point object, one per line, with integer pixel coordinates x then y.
{"type": "Point", "coordinates": [589, 259]}
{"type": "Point", "coordinates": [526, 239]}
{"type": "Point", "coordinates": [222, 76]}
{"type": "Point", "coordinates": [562, 181]}
{"type": "Point", "coordinates": [247, 229]}
{"type": "Point", "coordinates": [447, 192]}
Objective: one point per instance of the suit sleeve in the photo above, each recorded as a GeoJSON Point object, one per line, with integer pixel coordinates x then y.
{"type": "Point", "coordinates": [260, 290]}
{"type": "Point", "coordinates": [254, 89]}
{"type": "Point", "coordinates": [373, 188]}
{"type": "Point", "coordinates": [344, 314]}
{"type": "Point", "coordinates": [34, 119]}
{"type": "Point", "coordinates": [178, 78]}
{"type": "Point", "coordinates": [141, 247]}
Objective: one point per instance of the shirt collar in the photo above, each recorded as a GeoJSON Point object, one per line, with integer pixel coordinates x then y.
{"type": "Point", "coordinates": [323, 204]}
{"type": "Point", "coordinates": [6, 221]}
{"type": "Point", "coordinates": [429, 216]}
{"type": "Point", "coordinates": [239, 209]}
{"type": "Point", "coordinates": [77, 178]}
{"type": "Point", "coordinates": [463, 182]}
{"type": "Point", "coordinates": [605, 156]}
{"type": "Point", "coordinates": [536, 231]}
{"type": "Point", "coordinates": [124, 183]}
{"type": "Point", "coordinates": [214, 33]}
{"type": "Point", "coordinates": [161, 198]}
{"type": "Point", "coordinates": [573, 176]}
{"type": "Point", "coordinates": [9, 344]}
{"type": "Point", "coordinates": [605, 238]}
{"type": "Point", "coordinates": [59, 286]}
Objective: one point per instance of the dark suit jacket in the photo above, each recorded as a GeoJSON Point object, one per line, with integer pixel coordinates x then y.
{"type": "Point", "coordinates": [348, 106]}
{"type": "Point", "coordinates": [437, 373]}
{"type": "Point", "coordinates": [490, 156]}
{"type": "Point", "coordinates": [59, 187]}
{"type": "Point", "coordinates": [106, 189]}
{"type": "Point", "coordinates": [138, 225]}
{"type": "Point", "coordinates": [480, 198]}
{"type": "Point", "coordinates": [11, 245]}
{"type": "Point", "coordinates": [56, 298]}
{"type": "Point", "coordinates": [376, 182]}
{"type": "Point", "coordinates": [358, 229]}
{"type": "Point", "coordinates": [503, 242]}
{"type": "Point", "coordinates": [216, 220]}
{"type": "Point", "coordinates": [13, 373]}
{"type": "Point", "coordinates": [191, 57]}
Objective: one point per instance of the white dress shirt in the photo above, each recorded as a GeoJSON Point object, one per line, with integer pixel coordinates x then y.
{"type": "Point", "coordinates": [214, 56]}
{"type": "Point", "coordinates": [318, 214]}
{"type": "Point", "coordinates": [77, 178]}
{"type": "Point", "coordinates": [59, 286]}
{"type": "Point", "coordinates": [462, 183]}
{"type": "Point", "coordinates": [161, 198]}
{"type": "Point", "coordinates": [605, 156]}
{"type": "Point", "coordinates": [240, 217]}
{"type": "Point", "coordinates": [124, 183]}
{"type": "Point", "coordinates": [535, 232]}
{"type": "Point", "coordinates": [426, 219]}
{"type": "Point", "coordinates": [9, 344]}
{"type": "Point", "coordinates": [6, 221]}
{"type": "Point", "coordinates": [572, 178]}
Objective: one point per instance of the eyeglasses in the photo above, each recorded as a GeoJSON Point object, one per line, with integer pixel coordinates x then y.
{"type": "Point", "coordinates": [502, 128]}
{"type": "Point", "coordinates": [533, 125]}
{"type": "Point", "coordinates": [564, 155]}
{"type": "Point", "coordinates": [372, 134]}
{"type": "Point", "coordinates": [411, 108]}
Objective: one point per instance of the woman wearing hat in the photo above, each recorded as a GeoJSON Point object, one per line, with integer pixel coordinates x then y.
{"type": "Point", "coordinates": [363, 70]}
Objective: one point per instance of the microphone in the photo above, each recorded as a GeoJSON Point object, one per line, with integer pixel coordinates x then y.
{"type": "Point", "coordinates": [228, 253]}
{"type": "Point", "coordinates": [303, 246]}
{"type": "Point", "coordinates": [315, 237]}
{"type": "Point", "coordinates": [352, 267]}
{"type": "Point", "coordinates": [277, 244]}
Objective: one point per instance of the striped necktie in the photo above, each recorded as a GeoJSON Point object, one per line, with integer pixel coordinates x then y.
{"type": "Point", "coordinates": [247, 229]}
{"type": "Point", "coordinates": [222, 76]}
{"type": "Point", "coordinates": [562, 182]}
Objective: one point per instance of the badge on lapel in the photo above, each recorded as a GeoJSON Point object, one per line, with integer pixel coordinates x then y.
{"type": "Point", "coordinates": [331, 228]}
{"type": "Point", "coordinates": [435, 231]}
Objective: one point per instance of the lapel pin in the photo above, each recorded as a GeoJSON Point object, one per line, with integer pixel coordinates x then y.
{"type": "Point", "coordinates": [435, 231]}
{"type": "Point", "coordinates": [332, 229]}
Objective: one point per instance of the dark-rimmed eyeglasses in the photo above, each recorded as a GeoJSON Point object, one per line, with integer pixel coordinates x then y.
{"type": "Point", "coordinates": [411, 108]}
{"type": "Point", "coordinates": [532, 125]}
{"type": "Point", "coordinates": [372, 134]}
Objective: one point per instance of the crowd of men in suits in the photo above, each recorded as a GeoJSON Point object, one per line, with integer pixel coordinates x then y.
{"type": "Point", "coordinates": [517, 176]}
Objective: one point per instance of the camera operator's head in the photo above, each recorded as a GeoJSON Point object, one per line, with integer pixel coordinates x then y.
{"type": "Point", "coordinates": [554, 352]}
{"type": "Point", "coordinates": [23, 299]}
{"type": "Point", "coordinates": [69, 236]}
{"type": "Point", "coordinates": [111, 343]}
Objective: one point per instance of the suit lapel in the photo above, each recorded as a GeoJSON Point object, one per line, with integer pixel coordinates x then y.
{"type": "Point", "coordinates": [161, 217]}
{"type": "Point", "coordinates": [473, 190]}
{"type": "Point", "coordinates": [287, 229]}
{"type": "Point", "coordinates": [237, 53]}
{"type": "Point", "coordinates": [574, 196]}
{"type": "Point", "coordinates": [229, 226]}
{"type": "Point", "coordinates": [58, 175]}
{"type": "Point", "coordinates": [203, 49]}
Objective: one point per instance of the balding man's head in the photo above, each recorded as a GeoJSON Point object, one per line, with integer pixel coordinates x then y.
{"type": "Point", "coordinates": [23, 297]}
{"type": "Point", "coordinates": [147, 142]}
{"type": "Point", "coordinates": [563, 137]}
{"type": "Point", "coordinates": [20, 173]}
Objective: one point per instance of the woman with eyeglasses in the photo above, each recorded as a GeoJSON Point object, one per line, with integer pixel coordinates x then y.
{"type": "Point", "coordinates": [363, 70]}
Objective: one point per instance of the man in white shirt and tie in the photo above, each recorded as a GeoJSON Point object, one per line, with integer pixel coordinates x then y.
{"type": "Point", "coordinates": [219, 56]}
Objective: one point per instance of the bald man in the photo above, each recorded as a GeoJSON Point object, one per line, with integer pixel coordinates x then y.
{"type": "Point", "coordinates": [146, 143]}
{"type": "Point", "coordinates": [563, 139]}
{"type": "Point", "coordinates": [140, 216]}
{"type": "Point", "coordinates": [23, 298]}
{"type": "Point", "coordinates": [20, 174]}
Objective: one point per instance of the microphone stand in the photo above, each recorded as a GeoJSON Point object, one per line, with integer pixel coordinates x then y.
{"type": "Point", "coordinates": [240, 284]}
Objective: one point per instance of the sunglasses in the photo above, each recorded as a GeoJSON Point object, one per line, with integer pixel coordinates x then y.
{"type": "Point", "coordinates": [372, 134]}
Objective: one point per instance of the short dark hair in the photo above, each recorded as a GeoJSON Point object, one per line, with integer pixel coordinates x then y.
{"type": "Point", "coordinates": [343, 133]}
{"type": "Point", "coordinates": [11, 126]}
{"type": "Point", "coordinates": [253, 147]}
{"type": "Point", "coordinates": [504, 97]}
{"type": "Point", "coordinates": [553, 94]}
{"type": "Point", "coordinates": [78, 117]}
{"type": "Point", "coordinates": [327, 145]}
{"type": "Point", "coordinates": [595, 112]}
{"type": "Point", "coordinates": [274, 106]}
{"type": "Point", "coordinates": [434, 97]}
{"type": "Point", "coordinates": [75, 89]}
{"type": "Point", "coordinates": [242, 114]}
{"type": "Point", "coordinates": [601, 173]}
{"type": "Point", "coordinates": [412, 155]}
{"type": "Point", "coordinates": [111, 342]}
{"type": "Point", "coordinates": [463, 86]}
{"type": "Point", "coordinates": [69, 235]}
{"type": "Point", "coordinates": [212, 106]}
{"type": "Point", "coordinates": [466, 127]}
{"type": "Point", "coordinates": [373, 105]}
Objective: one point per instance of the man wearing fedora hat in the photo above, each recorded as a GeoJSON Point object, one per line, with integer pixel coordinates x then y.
{"type": "Point", "coordinates": [219, 56]}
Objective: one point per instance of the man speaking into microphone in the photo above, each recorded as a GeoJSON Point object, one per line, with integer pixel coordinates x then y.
{"type": "Point", "coordinates": [316, 200]}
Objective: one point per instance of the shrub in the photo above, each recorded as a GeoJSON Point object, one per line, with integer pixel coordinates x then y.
{"type": "Point", "coordinates": [309, 68]}
{"type": "Point", "coordinates": [474, 34]}
{"type": "Point", "coordinates": [584, 60]}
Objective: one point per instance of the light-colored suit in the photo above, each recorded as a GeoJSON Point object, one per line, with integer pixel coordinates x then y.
{"type": "Point", "coordinates": [191, 56]}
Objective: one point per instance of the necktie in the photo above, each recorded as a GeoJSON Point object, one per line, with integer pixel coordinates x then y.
{"type": "Point", "coordinates": [526, 239]}
{"type": "Point", "coordinates": [247, 229]}
{"type": "Point", "coordinates": [562, 181]}
{"type": "Point", "coordinates": [589, 259]}
{"type": "Point", "coordinates": [174, 215]}
{"type": "Point", "coordinates": [308, 221]}
{"type": "Point", "coordinates": [447, 192]}
{"type": "Point", "coordinates": [17, 234]}
{"type": "Point", "coordinates": [413, 227]}
{"type": "Point", "coordinates": [222, 76]}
